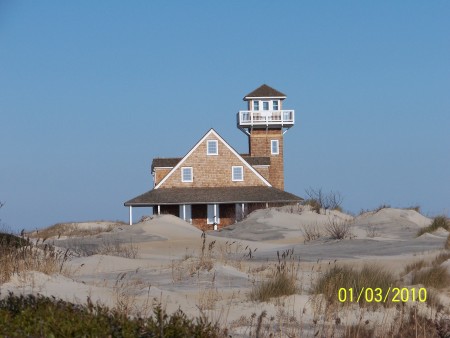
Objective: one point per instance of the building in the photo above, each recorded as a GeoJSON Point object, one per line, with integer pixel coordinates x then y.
{"type": "Point", "coordinates": [212, 185]}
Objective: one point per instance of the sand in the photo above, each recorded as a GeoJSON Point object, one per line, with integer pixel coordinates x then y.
{"type": "Point", "coordinates": [169, 266]}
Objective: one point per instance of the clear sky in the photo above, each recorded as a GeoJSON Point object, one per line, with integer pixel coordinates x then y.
{"type": "Point", "coordinates": [91, 91]}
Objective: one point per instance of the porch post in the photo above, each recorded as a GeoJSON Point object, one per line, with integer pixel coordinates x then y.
{"type": "Point", "coordinates": [159, 210]}
{"type": "Point", "coordinates": [131, 215]}
{"type": "Point", "coordinates": [243, 211]}
{"type": "Point", "coordinates": [215, 216]}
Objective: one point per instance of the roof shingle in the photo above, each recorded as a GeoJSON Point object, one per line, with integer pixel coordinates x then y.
{"type": "Point", "coordinates": [221, 195]}
{"type": "Point", "coordinates": [165, 162]}
{"type": "Point", "coordinates": [264, 91]}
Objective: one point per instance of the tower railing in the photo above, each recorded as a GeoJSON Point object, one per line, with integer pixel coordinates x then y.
{"type": "Point", "coordinates": [266, 118]}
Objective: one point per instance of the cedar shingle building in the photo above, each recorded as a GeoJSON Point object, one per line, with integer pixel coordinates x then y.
{"type": "Point", "coordinates": [214, 186]}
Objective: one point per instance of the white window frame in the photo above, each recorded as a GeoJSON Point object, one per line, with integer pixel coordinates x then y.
{"type": "Point", "coordinates": [182, 174]}
{"type": "Point", "coordinates": [207, 147]}
{"type": "Point", "coordinates": [265, 105]}
{"type": "Point", "coordinates": [255, 105]}
{"type": "Point", "coordinates": [275, 103]}
{"type": "Point", "coordinates": [233, 178]}
{"type": "Point", "coordinates": [272, 143]}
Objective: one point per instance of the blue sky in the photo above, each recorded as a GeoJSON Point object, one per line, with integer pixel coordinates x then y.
{"type": "Point", "coordinates": [91, 91]}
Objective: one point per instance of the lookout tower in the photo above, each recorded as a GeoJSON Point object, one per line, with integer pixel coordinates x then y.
{"type": "Point", "coordinates": [265, 122]}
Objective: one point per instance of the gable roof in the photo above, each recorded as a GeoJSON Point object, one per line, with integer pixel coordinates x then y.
{"type": "Point", "coordinates": [264, 91]}
{"type": "Point", "coordinates": [213, 132]}
{"type": "Point", "coordinates": [220, 195]}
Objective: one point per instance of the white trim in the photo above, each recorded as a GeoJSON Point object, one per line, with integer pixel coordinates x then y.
{"type": "Point", "coordinates": [278, 147]}
{"type": "Point", "coordinates": [232, 173]}
{"type": "Point", "coordinates": [213, 132]}
{"type": "Point", "coordinates": [207, 147]}
{"type": "Point", "coordinates": [131, 215]}
{"type": "Point", "coordinates": [264, 97]}
{"type": "Point", "coordinates": [182, 175]}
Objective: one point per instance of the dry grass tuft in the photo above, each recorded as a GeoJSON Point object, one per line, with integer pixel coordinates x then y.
{"type": "Point", "coordinates": [18, 255]}
{"type": "Point", "coordinates": [346, 277]}
{"type": "Point", "coordinates": [441, 258]}
{"type": "Point", "coordinates": [447, 243]}
{"type": "Point", "coordinates": [281, 282]}
{"type": "Point", "coordinates": [436, 277]}
{"type": "Point", "coordinates": [416, 266]}
{"type": "Point", "coordinates": [311, 232]}
{"type": "Point", "coordinates": [438, 222]}
{"type": "Point", "coordinates": [116, 248]}
{"type": "Point", "coordinates": [70, 230]}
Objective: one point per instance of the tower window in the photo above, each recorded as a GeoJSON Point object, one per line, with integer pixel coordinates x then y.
{"type": "Point", "coordinates": [212, 147]}
{"type": "Point", "coordinates": [255, 105]}
{"type": "Point", "coordinates": [274, 147]}
{"type": "Point", "coordinates": [265, 105]}
{"type": "Point", "coordinates": [186, 174]}
{"type": "Point", "coordinates": [237, 173]}
{"type": "Point", "coordinates": [275, 104]}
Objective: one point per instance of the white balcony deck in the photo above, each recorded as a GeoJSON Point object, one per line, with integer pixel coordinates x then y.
{"type": "Point", "coordinates": [268, 118]}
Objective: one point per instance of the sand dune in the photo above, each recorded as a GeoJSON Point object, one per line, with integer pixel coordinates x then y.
{"type": "Point", "coordinates": [171, 267]}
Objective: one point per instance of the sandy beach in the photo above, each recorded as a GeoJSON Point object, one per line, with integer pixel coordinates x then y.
{"type": "Point", "coordinates": [164, 259]}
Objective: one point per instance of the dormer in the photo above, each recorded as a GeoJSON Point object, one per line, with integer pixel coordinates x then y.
{"type": "Point", "coordinates": [265, 110]}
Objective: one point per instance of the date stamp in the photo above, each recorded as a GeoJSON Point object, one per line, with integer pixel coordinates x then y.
{"type": "Point", "coordinates": [379, 295]}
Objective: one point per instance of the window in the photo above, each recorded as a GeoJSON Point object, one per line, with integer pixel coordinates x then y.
{"type": "Point", "coordinates": [274, 147]}
{"type": "Point", "coordinates": [255, 105]}
{"type": "Point", "coordinates": [275, 104]}
{"type": "Point", "coordinates": [186, 174]}
{"type": "Point", "coordinates": [265, 105]}
{"type": "Point", "coordinates": [237, 173]}
{"type": "Point", "coordinates": [212, 147]}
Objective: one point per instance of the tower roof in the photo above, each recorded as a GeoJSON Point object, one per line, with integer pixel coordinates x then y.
{"type": "Point", "coordinates": [264, 91]}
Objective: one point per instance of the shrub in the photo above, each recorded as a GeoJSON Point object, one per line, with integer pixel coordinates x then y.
{"type": "Point", "coordinates": [314, 204]}
{"type": "Point", "coordinates": [9, 241]}
{"type": "Point", "coordinates": [447, 243]}
{"type": "Point", "coordinates": [438, 222]}
{"type": "Point", "coordinates": [337, 229]}
{"type": "Point", "coordinates": [320, 200]}
{"type": "Point", "coordinates": [39, 316]}
{"type": "Point", "coordinates": [282, 282]}
{"type": "Point", "coordinates": [311, 232]}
